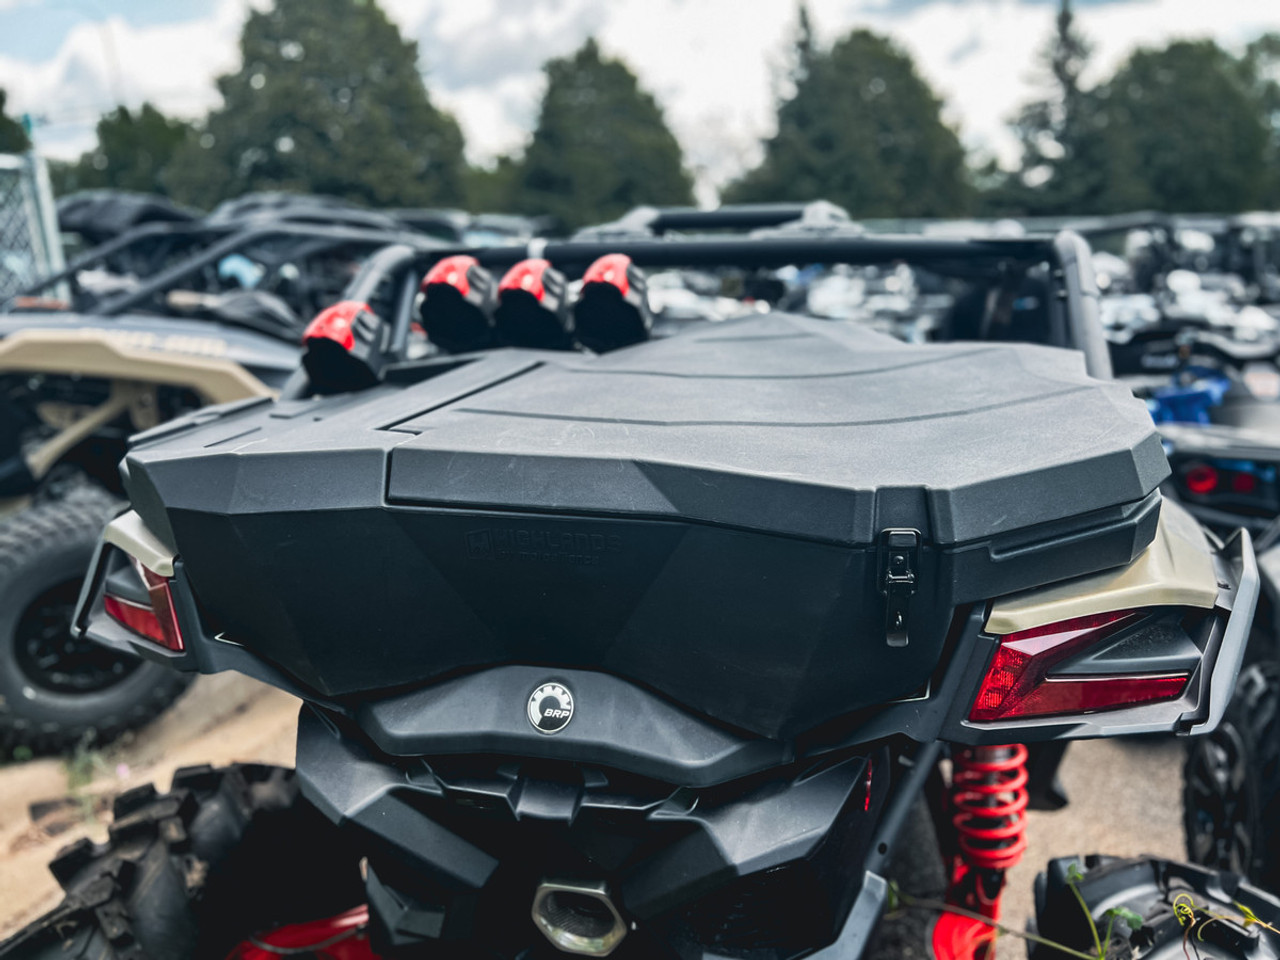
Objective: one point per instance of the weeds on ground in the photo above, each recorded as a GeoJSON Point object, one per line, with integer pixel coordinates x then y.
{"type": "Point", "coordinates": [84, 765]}
{"type": "Point", "coordinates": [1193, 919]}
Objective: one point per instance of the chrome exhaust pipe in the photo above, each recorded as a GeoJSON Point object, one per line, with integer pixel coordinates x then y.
{"type": "Point", "coordinates": [578, 917]}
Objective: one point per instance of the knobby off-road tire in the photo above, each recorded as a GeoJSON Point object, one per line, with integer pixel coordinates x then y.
{"type": "Point", "coordinates": [1231, 783]}
{"type": "Point", "coordinates": [187, 875]}
{"type": "Point", "coordinates": [56, 692]}
{"type": "Point", "coordinates": [1152, 888]}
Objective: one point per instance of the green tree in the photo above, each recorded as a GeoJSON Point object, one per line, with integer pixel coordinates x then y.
{"type": "Point", "coordinates": [493, 189]}
{"type": "Point", "coordinates": [1261, 64]}
{"type": "Point", "coordinates": [328, 100]}
{"type": "Point", "coordinates": [13, 136]}
{"type": "Point", "coordinates": [864, 130]}
{"type": "Point", "coordinates": [806, 45]}
{"type": "Point", "coordinates": [601, 146]}
{"type": "Point", "coordinates": [133, 148]}
{"type": "Point", "coordinates": [1195, 125]}
{"type": "Point", "coordinates": [1073, 160]}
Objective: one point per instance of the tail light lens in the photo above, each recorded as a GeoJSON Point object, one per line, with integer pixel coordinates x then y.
{"type": "Point", "coordinates": [157, 622]}
{"type": "Point", "coordinates": [1239, 485]}
{"type": "Point", "coordinates": [1201, 479]}
{"type": "Point", "coordinates": [1019, 683]}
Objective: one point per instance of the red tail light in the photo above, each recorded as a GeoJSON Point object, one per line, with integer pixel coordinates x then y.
{"type": "Point", "coordinates": [1018, 683]}
{"type": "Point", "coordinates": [1201, 479]}
{"type": "Point", "coordinates": [334, 323]}
{"type": "Point", "coordinates": [1244, 483]}
{"type": "Point", "coordinates": [157, 622]}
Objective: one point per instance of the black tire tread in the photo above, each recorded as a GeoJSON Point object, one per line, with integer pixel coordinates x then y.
{"type": "Point", "coordinates": [170, 881]}
{"type": "Point", "coordinates": [78, 515]}
{"type": "Point", "coordinates": [1252, 721]}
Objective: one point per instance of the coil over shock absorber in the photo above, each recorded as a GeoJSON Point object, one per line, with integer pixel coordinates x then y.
{"type": "Point", "coordinates": [988, 808]}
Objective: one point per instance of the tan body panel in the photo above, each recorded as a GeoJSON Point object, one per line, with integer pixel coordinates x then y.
{"type": "Point", "coordinates": [131, 535]}
{"type": "Point", "coordinates": [1175, 570]}
{"type": "Point", "coordinates": [99, 353]}
{"type": "Point", "coordinates": [134, 368]}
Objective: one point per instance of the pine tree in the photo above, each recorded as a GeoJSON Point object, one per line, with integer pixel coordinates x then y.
{"type": "Point", "coordinates": [1073, 161]}
{"type": "Point", "coordinates": [864, 130]}
{"type": "Point", "coordinates": [13, 137]}
{"type": "Point", "coordinates": [1261, 65]}
{"type": "Point", "coordinates": [601, 146]}
{"type": "Point", "coordinates": [328, 100]}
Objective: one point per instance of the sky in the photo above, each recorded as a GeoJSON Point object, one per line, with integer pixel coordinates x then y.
{"type": "Point", "coordinates": [717, 67]}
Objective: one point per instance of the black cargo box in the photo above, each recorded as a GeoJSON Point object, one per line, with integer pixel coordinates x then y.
{"type": "Point", "coordinates": [713, 516]}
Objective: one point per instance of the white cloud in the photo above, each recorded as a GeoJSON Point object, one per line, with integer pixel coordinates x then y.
{"type": "Point", "coordinates": [101, 64]}
{"type": "Point", "coordinates": [714, 65]}
{"type": "Point", "coordinates": [981, 56]}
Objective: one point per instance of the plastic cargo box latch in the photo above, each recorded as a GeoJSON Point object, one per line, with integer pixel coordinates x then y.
{"type": "Point", "coordinates": [898, 580]}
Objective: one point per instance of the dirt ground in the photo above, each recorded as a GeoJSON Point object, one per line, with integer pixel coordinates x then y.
{"type": "Point", "coordinates": [1124, 794]}
{"type": "Point", "coordinates": [221, 719]}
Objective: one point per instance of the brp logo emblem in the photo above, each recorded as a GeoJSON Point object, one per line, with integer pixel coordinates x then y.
{"type": "Point", "coordinates": [551, 708]}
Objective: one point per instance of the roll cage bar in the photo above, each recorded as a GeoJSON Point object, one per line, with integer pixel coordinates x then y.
{"type": "Point", "coordinates": [220, 240]}
{"type": "Point", "coordinates": [1072, 300]}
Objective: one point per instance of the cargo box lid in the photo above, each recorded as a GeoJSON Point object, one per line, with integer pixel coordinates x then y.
{"type": "Point", "coordinates": [793, 426]}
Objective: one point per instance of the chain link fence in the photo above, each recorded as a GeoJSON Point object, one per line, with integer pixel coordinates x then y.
{"type": "Point", "coordinates": [30, 246]}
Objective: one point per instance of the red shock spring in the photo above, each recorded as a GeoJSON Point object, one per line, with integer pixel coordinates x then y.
{"type": "Point", "coordinates": [989, 804]}
{"type": "Point", "coordinates": [989, 811]}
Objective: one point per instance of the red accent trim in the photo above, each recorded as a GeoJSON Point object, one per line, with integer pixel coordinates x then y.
{"type": "Point", "coordinates": [960, 938]}
{"type": "Point", "coordinates": [334, 938]}
{"type": "Point", "coordinates": [610, 269]}
{"type": "Point", "coordinates": [452, 272]}
{"type": "Point", "coordinates": [334, 323]}
{"type": "Point", "coordinates": [526, 276]}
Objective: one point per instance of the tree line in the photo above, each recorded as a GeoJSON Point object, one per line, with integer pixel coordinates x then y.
{"type": "Point", "coordinates": [329, 99]}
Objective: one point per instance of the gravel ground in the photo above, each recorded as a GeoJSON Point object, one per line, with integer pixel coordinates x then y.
{"type": "Point", "coordinates": [1125, 794]}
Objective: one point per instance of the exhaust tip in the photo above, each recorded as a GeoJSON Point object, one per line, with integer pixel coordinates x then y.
{"type": "Point", "coordinates": [578, 917]}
